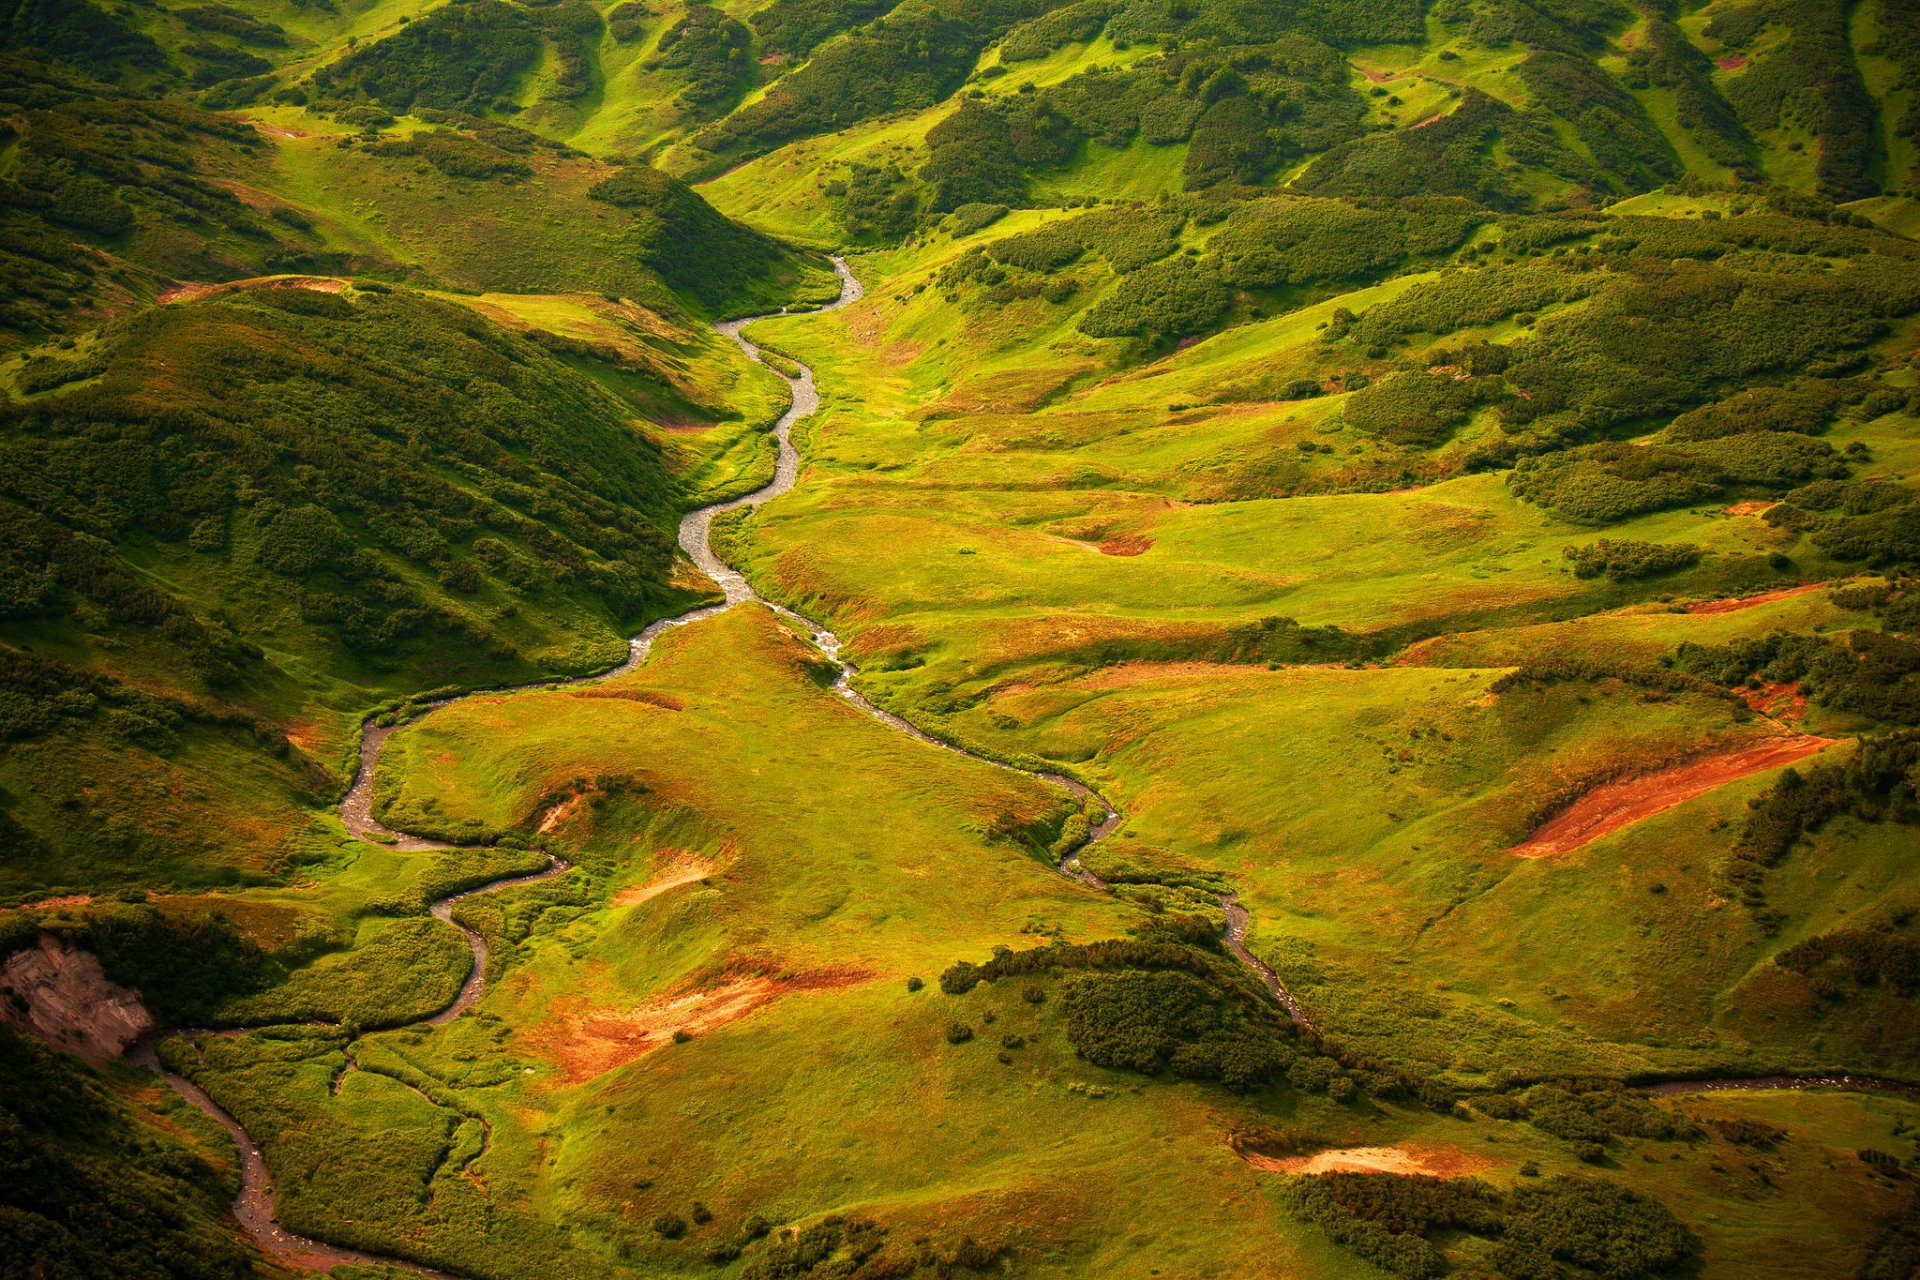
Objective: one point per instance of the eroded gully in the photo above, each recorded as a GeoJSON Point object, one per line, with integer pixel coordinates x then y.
{"type": "Point", "coordinates": [254, 1206]}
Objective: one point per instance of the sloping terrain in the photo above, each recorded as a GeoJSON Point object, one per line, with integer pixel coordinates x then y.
{"type": "Point", "coordinates": [1425, 497]}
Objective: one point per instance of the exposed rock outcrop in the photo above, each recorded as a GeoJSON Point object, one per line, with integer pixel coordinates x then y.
{"type": "Point", "coordinates": [60, 994]}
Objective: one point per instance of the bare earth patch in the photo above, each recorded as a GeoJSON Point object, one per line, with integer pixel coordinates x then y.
{"type": "Point", "coordinates": [1754, 508]}
{"type": "Point", "coordinates": [684, 868]}
{"type": "Point", "coordinates": [1747, 602]}
{"type": "Point", "coordinates": [1438, 1162]}
{"type": "Point", "coordinates": [585, 1041]}
{"type": "Point", "coordinates": [1127, 544]}
{"type": "Point", "coordinates": [1607, 808]}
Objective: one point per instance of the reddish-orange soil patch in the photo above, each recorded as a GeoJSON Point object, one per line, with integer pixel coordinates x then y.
{"type": "Point", "coordinates": [1611, 806]}
{"type": "Point", "coordinates": [1748, 602]}
{"type": "Point", "coordinates": [1421, 124]}
{"type": "Point", "coordinates": [1438, 1162]}
{"type": "Point", "coordinates": [584, 1041]}
{"type": "Point", "coordinates": [1126, 544]}
{"type": "Point", "coordinates": [1754, 508]}
{"type": "Point", "coordinates": [1730, 62]}
{"type": "Point", "coordinates": [683, 867]}
{"type": "Point", "coordinates": [1781, 701]}
{"type": "Point", "coordinates": [1378, 77]}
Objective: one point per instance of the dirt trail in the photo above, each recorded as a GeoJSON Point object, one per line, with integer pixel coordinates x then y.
{"type": "Point", "coordinates": [1614, 805]}
{"type": "Point", "coordinates": [254, 1206]}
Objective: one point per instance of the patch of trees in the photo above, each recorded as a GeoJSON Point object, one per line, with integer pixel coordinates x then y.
{"type": "Point", "coordinates": [1127, 239]}
{"type": "Point", "coordinates": [689, 243]}
{"type": "Point", "coordinates": [466, 57]}
{"type": "Point", "coordinates": [712, 49]}
{"type": "Point", "coordinates": [1869, 673]}
{"type": "Point", "coordinates": [293, 432]}
{"type": "Point", "coordinates": [1075, 24]}
{"type": "Point", "coordinates": [226, 21]}
{"type": "Point", "coordinates": [1875, 957]}
{"type": "Point", "coordinates": [1600, 484]}
{"type": "Point", "coordinates": [1562, 1226]}
{"type": "Point", "coordinates": [89, 166]}
{"type": "Point", "coordinates": [1451, 156]}
{"type": "Point", "coordinates": [1160, 303]}
{"type": "Point", "coordinates": [1664, 58]}
{"type": "Point", "coordinates": [80, 32]}
{"type": "Point", "coordinates": [1811, 81]}
{"type": "Point", "coordinates": [1876, 784]}
{"type": "Point", "coordinates": [1152, 1021]}
{"type": "Point", "coordinates": [907, 60]}
{"type": "Point", "coordinates": [1870, 521]}
{"type": "Point", "coordinates": [91, 1191]}
{"type": "Point", "coordinates": [1589, 1114]}
{"type": "Point", "coordinates": [1615, 128]}
{"type": "Point", "coordinates": [794, 27]}
{"type": "Point", "coordinates": [842, 1248]}
{"type": "Point", "coordinates": [1624, 559]}
{"type": "Point", "coordinates": [1421, 409]}
{"type": "Point", "coordinates": [1269, 244]}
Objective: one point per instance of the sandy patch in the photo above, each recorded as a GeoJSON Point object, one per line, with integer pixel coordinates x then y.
{"type": "Point", "coordinates": [684, 868]}
{"type": "Point", "coordinates": [585, 1041]}
{"type": "Point", "coordinates": [1438, 1162]}
{"type": "Point", "coordinates": [561, 812]}
{"type": "Point", "coordinates": [194, 292]}
{"type": "Point", "coordinates": [1607, 808]}
{"type": "Point", "coordinates": [1747, 602]}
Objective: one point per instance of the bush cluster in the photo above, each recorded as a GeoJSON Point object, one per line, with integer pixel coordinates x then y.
{"type": "Point", "coordinates": [1624, 559]}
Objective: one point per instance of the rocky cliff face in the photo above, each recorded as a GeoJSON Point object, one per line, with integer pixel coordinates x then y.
{"type": "Point", "coordinates": [60, 994]}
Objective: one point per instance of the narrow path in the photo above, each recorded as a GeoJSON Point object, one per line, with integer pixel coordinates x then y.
{"type": "Point", "coordinates": [254, 1207]}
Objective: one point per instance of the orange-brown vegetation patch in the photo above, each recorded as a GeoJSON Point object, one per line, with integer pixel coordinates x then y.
{"type": "Point", "coordinates": [1747, 602]}
{"type": "Point", "coordinates": [1730, 62]}
{"type": "Point", "coordinates": [682, 866]}
{"type": "Point", "coordinates": [1758, 506]}
{"type": "Point", "coordinates": [1126, 544]}
{"type": "Point", "coordinates": [1433, 1161]}
{"type": "Point", "coordinates": [54, 904]}
{"type": "Point", "coordinates": [653, 698]}
{"type": "Point", "coordinates": [194, 292]}
{"type": "Point", "coordinates": [585, 1041]}
{"type": "Point", "coordinates": [1611, 806]}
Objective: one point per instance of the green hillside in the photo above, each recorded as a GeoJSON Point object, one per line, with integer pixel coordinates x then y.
{"type": "Point", "coordinates": [1446, 474]}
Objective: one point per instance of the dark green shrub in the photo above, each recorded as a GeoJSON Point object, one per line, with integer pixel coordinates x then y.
{"type": "Point", "coordinates": [1624, 559]}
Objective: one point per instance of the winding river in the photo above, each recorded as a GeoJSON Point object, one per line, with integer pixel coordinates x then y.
{"type": "Point", "coordinates": [254, 1206]}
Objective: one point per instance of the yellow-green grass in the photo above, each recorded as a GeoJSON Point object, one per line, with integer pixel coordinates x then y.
{"type": "Point", "coordinates": [780, 192]}
{"type": "Point", "coordinates": [846, 858]}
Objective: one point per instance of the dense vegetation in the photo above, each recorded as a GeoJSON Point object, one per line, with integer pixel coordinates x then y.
{"type": "Point", "coordinates": [93, 1190]}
